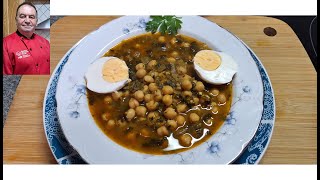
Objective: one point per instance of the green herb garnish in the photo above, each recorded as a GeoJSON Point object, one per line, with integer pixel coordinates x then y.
{"type": "Point", "coordinates": [165, 24]}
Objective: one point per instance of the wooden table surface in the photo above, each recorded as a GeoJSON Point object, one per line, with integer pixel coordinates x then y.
{"type": "Point", "coordinates": [294, 139]}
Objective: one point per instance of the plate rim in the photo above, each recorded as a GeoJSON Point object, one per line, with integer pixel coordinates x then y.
{"type": "Point", "coordinates": [273, 100]}
{"type": "Point", "coordinates": [253, 54]}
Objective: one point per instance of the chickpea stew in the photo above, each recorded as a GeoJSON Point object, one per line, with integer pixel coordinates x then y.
{"type": "Point", "coordinates": [166, 108]}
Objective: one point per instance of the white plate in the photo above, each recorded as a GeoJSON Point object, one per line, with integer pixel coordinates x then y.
{"type": "Point", "coordinates": [91, 143]}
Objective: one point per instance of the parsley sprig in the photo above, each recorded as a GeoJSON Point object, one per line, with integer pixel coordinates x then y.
{"type": "Point", "coordinates": [164, 24]}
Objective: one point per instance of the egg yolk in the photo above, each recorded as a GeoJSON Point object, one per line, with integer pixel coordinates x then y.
{"type": "Point", "coordinates": [207, 60]}
{"type": "Point", "coordinates": [115, 70]}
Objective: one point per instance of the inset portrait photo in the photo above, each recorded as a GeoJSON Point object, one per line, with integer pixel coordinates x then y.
{"type": "Point", "coordinates": [26, 35]}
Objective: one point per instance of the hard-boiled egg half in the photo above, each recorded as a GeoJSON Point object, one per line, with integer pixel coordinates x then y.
{"type": "Point", "coordinates": [107, 74]}
{"type": "Point", "coordinates": [214, 67]}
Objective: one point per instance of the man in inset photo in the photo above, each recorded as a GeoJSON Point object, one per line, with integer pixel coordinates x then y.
{"type": "Point", "coordinates": [25, 52]}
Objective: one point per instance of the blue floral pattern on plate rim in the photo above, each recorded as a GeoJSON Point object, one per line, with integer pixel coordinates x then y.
{"type": "Point", "coordinates": [65, 154]}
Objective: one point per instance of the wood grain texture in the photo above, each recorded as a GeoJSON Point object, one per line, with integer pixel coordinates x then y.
{"type": "Point", "coordinates": [5, 23]}
{"type": "Point", "coordinates": [290, 70]}
{"type": "Point", "coordinates": [9, 14]}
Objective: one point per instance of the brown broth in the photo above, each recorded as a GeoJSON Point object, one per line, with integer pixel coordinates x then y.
{"type": "Point", "coordinates": [132, 134]}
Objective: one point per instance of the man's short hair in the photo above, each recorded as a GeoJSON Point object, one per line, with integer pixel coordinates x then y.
{"type": "Point", "coordinates": [27, 3]}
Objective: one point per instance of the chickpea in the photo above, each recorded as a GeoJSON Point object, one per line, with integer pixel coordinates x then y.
{"type": "Point", "coordinates": [161, 39]}
{"type": "Point", "coordinates": [186, 76]}
{"type": "Point", "coordinates": [171, 60]}
{"type": "Point", "coordinates": [159, 124]}
{"type": "Point", "coordinates": [139, 95]}
{"type": "Point", "coordinates": [186, 93]}
{"type": "Point", "coordinates": [145, 88]}
{"type": "Point", "coordinates": [153, 115]}
{"type": "Point", "coordinates": [193, 81]}
{"type": "Point", "coordinates": [162, 75]}
{"type": "Point", "coordinates": [157, 95]}
{"type": "Point", "coordinates": [196, 100]}
{"type": "Point", "coordinates": [141, 111]}
{"type": "Point", "coordinates": [199, 86]}
{"type": "Point", "coordinates": [175, 54]}
{"type": "Point", "coordinates": [173, 41]}
{"type": "Point", "coordinates": [205, 98]}
{"type": "Point", "coordinates": [148, 79]}
{"type": "Point", "coordinates": [185, 140]}
{"type": "Point", "coordinates": [185, 44]}
{"type": "Point", "coordinates": [151, 64]}
{"type": "Point", "coordinates": [152, 105]}
{"type": "Point", "coordinates": [133, 103]}
{"type": "Point", "coordinates": [141, 73]}
{"type": "Point", "coordinates": [107, 99]}
{"type": "Point", "coordinates": [208, 122]}
{"type": "Point", "coordinates": [153, 74]}
{"type": "Point", "coordinates": [130, 114]}
{"type": "Point", "coordinates": [193, 117]}
{"type": "Point", "coordinates": [186, 84]}
{"type": "Point", "coordinates": [215, 91]}
{"type": "Point", "coordinates": [215, 109]}
{"type": "Point", "coordinates": [172, 124]}
{"type": "Point", "coordinates": [110, 124]}
{"type": "Point", "coordinates": [167, 90]}
{"type": "Point", "coordinates": [170, 113]}
{"type": "Point", "coordinates": [116, 95]}
{"type": "Point", "coordinates": [153, 87]}
{"type": "Point", "coordinates": [131, 136]}
{"type": "Point", "coordinates": [105, 116]}
{"type": "Point", "coordinates": [140, 66]}
{"type": "Point", "coordinates": [141, 119]}
{"type": "Point", "coordinates": [180, 120]}
{"type": "Point", "coordinates": [181, 70]}
{"type": "Point", "coordinates": [181, 108]}
{"type": "Point", "coordinates": [122, 124]}
{"type": "Point", "coordinates": [222, 98]}
{"type": "Point", "coordinates": [148, 97]}
{"type": "Point", "coordinates": [145, 132]}
{"type": "Point", "coordinates": [162, 131]}
{"type": "Point", "coordinates": [167, 100]}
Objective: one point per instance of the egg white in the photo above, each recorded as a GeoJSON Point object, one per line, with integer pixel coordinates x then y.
{"type": "Point", "coordinates": [223, 74]}
{"type": "Point", "coordinates": [95, 81]}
